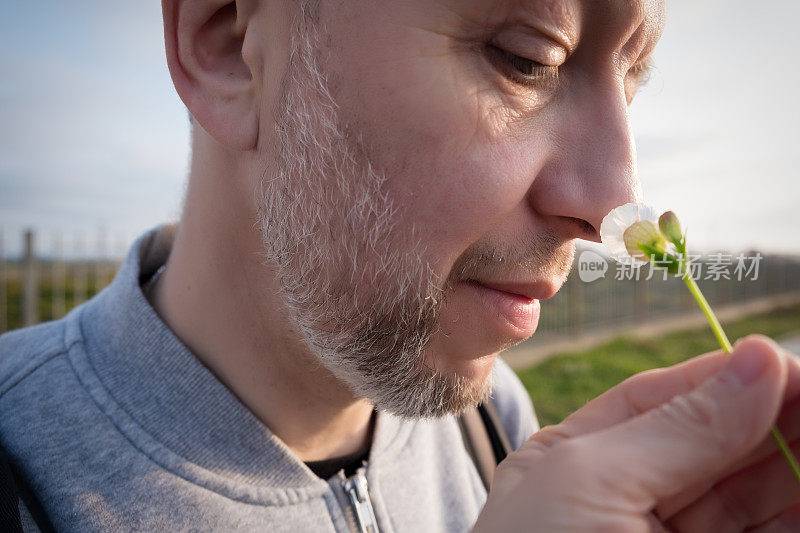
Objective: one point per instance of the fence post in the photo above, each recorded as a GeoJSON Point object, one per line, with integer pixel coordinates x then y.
{"type": "Point", "coordinates": [640, 298]}
{"type": "Point", "coordinates": [59, 275]}
{"type": "Point", "coordinates": [3, 306]}
{"type": "Point", "coordinates": [30, 293]}
{"type": "Point", "coordinates": [80, 273]}
{"type": "Point", "coordinates": [575, 312]}
{"type": "Point", "coordinates": [100, 263]}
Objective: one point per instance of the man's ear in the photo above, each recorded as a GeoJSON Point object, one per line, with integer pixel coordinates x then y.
{"type": "Point", "coordinates": [214, 78]}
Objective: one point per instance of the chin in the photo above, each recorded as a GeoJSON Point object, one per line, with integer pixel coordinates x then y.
{"type": "Point", "coordinates": [475, 369]}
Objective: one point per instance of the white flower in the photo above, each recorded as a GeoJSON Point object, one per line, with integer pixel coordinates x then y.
{"type": "Point", "coordinates": [617, 221]}
{"type": "Point", "coordinates": [644, 232]}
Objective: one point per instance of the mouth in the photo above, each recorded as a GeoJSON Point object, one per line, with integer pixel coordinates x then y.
{"type": "Point", "coordinates": [512, 308]}
{"type": "Point", "coordinates": [537, 290]}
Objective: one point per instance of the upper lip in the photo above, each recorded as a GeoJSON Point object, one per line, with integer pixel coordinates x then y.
{"type": "Point", "coordinates": [535, 290]}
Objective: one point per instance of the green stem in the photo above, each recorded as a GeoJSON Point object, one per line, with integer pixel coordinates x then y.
{"type": "Point", "coordinates": [786, 451]}
{"type": "Point", "coordinates": [726, 345]}
{"type": "Point", "coordinates": [716, 327]}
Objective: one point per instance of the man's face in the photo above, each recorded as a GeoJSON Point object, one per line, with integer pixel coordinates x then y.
{"type": "Point", "coordinates": [427, 170]}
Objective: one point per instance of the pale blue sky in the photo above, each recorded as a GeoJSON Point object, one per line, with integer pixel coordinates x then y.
{"type": "Point", "coordinates": [93, 135]}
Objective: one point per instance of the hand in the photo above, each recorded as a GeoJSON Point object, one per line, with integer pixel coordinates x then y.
{"type": "Point", "coordinates": [685, 448]}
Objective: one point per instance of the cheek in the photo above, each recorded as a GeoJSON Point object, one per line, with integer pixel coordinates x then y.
{"type": "Point", "coordinates": [460, 179]}
{"type": "Point", "coordinates": [457, 161]}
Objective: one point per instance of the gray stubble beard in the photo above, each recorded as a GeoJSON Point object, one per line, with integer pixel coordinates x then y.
{"type": "Point", "coordinates": [359, 290]}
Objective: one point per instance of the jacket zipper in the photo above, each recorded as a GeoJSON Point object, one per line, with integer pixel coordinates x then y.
{"type": "Point", "coordinates": [357, 491]}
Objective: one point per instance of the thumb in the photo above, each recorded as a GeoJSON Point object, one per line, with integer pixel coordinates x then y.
{"type": "Point", "coordinates": [695, 436]}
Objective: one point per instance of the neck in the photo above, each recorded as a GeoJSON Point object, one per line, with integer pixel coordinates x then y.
{"type": "Point", "coordinates": [221, 300]}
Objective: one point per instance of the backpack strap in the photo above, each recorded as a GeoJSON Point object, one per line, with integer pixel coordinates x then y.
{"type": "Point", "coordinates": [485, 439]}
{"type": "Point", "coordinates": [9, 502]}
{"type": "Point", "coordinates": [15, 492]}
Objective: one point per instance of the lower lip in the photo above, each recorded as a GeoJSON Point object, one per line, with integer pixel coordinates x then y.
{"type": "Point", "coordinates": [519, 312]}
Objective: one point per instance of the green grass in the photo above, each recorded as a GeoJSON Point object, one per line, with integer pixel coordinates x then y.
{"type": "Point", "coordinates": [565, 382]}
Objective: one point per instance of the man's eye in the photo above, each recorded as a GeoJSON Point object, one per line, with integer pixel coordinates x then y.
{"type": "Point", "coordinates": [521, 69]}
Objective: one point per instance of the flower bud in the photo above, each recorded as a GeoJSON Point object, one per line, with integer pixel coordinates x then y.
{"type": "Point", "coordinates": [644, 232]}
{"type": "Point", "coordinates": [670, 227]}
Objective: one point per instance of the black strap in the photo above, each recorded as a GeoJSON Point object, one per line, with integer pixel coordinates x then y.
{"type": "Point", "coordinates": [494, 427]}
{"type": "Point", "coordinates": [485, 439]}
{"type": "Point", "coordinates": [32, 504]}
{"type": "Point", "coordinates": [9, 506]}
{"type": "Point", "coordinates": [22, 493]}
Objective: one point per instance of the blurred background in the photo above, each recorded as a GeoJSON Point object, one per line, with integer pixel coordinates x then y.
{"type": "Point", "coordinates": [94, 149]}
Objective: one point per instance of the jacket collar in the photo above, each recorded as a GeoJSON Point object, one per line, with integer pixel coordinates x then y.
{"type": "Point", "coordinates": [166, 391]}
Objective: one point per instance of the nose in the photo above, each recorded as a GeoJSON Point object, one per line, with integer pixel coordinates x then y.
{"type": "Point", "coordinates": [591, 167]}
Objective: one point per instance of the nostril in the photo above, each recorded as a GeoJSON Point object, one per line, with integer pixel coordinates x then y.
{"type": "Point", "coordinates": [585, 230]}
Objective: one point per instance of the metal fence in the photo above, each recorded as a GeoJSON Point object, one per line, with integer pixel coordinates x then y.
{"type": "Point", "coordinates": [589, 306]}
{"type": "Point", "coordinates": [38, 287]}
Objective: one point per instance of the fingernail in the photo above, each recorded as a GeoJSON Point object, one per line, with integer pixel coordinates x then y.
{"type": "Point", "coordinates": [748, 363]}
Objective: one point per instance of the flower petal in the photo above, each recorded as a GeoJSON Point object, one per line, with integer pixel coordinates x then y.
{"type": "Point", "coordinates": [643, 232]}
{"type": "Point", "coordinates": [617, 221]}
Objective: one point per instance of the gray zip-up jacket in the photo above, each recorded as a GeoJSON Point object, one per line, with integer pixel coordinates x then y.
{"type": "Point", "coordinates": [116, 426]}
